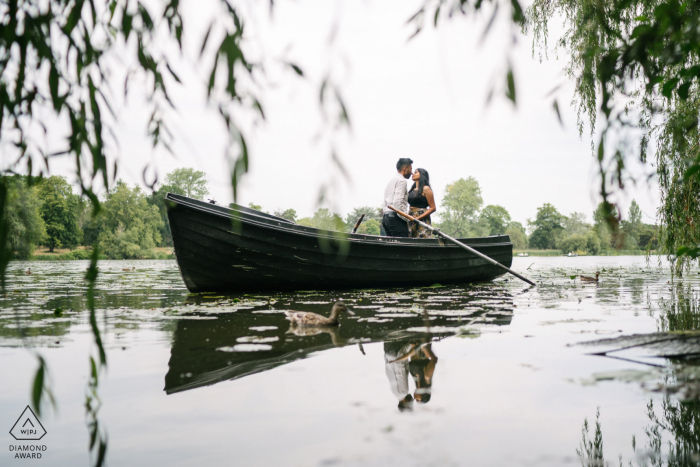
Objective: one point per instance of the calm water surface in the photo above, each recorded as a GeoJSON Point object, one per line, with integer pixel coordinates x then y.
{"type": "Point", "coordinates": [472, 375]}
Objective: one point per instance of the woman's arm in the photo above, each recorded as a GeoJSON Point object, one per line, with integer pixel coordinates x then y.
{"type": "Point", "coordinates": [431, 203]}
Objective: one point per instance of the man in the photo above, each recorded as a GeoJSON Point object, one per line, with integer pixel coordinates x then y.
{"type": "Point", "coordinates": [396, 368]}
{"type": "Point", "coordinates": [396, 195]}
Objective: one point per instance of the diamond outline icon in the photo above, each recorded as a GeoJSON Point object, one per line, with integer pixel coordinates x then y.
{"type": "Point", "coordinates": [28, 417]}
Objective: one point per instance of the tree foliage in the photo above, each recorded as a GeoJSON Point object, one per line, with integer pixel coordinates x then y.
{"type": "Point", "coordinates": [546, 226]}
{"type": "Point", "coordinates": [131, 224]}
{"type": "Point", "coordinates": [369, 212]}
{"type": "Point", "coordinates": [188, 182]}
{"type": "Point", "coordinates": [289, 214]}
{"type": "Point", "coordinates": [460, 207]}
{"type": "Point", "coordinates": [576, 223]}
{"type": "Point", "coordinates": [517, 235]}
{"type": "Point", "coordinates": [495, 219]}
{"type": "Point", "coordinates": [573, 243]}
{"type": "Point", "coordinates": [25, 227]}
{"type": "Point", "coordinates": [60, 210]}
{"type": "Point", "coordinates": [602, 228]}
{"type": "Point", "coordinates": [324, 219]}
{"type": "Point", "coordinates": [370, 227]}
{"type": "Point", "coordinates": [633, 225]}
{"type": "Point", "coordinates": [184, 181]}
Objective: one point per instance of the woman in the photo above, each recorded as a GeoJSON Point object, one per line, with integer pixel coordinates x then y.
{"type": "Point", "coordinates": [422, 204]}
{"type": "Point", "coordinates": [422, 368]}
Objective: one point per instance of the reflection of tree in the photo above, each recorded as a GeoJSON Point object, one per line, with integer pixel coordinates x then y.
{"type": "Point", "coordinates": [680, 421]}
{"type": "Point", "coordinates": [636, 286]}
{"type": "Point", "coordinates": [681, 311]}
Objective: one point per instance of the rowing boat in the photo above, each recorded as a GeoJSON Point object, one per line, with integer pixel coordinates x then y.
{"type": "Point", "coordinates": [239, 249]}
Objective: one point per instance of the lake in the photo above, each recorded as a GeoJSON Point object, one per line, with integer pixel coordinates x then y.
{"type": "Point", "coordinates": [482, 374]}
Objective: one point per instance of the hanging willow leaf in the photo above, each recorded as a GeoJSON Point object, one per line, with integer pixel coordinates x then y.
{"type": "Point", "coordinates": [510, 85]}
{"type": "Point", "coordinates": [38, 387]}
{"type": "Point", "coordinates": [295, 68]}
{"type": "Point", "coordinates": [555, 105]}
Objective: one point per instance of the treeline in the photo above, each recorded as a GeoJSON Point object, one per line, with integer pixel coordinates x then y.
{"type": "Point", "coordinates": [45, 212]}
{"type": "Point", "coordinates": [131, 224]}
{"type": "Point", "coordinates": [462, 214]}
{"type": "Point", "coordinates": [553, 230]}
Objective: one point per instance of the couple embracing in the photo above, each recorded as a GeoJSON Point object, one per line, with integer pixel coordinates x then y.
{"type": "Point", "coordinates": [419, 202]}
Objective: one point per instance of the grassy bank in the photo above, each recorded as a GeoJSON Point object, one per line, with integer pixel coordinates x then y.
{"type": "Point", "coordinates": [561, 253]}
{"type": "Point", "coordinates": [83, 253]}
{"type": "Point", "coordinates": [538, 252]}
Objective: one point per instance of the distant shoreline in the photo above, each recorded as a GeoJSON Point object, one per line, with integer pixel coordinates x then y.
{"type": "Point", "coordinates": [561, 253]}
{"type": "Point", "coordinates": [84, 253]}
{"type": "Point", "coordinates": [166, 254]}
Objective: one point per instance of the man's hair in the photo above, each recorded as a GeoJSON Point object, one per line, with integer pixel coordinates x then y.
{"type": "Point", "coordinates": [404, 161]}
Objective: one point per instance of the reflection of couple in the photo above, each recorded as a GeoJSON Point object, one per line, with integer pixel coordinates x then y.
{"type": "Point", "coordinates": [420, 198]}
{"type": "Point", "coordinates": [421, 367]}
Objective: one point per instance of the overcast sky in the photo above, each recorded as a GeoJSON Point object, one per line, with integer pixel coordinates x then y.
{"type": "Point", "coordinates": [423, 99]}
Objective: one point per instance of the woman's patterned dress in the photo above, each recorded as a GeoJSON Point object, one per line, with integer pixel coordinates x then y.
{"type": "Point", "coordinates": [419, 204]}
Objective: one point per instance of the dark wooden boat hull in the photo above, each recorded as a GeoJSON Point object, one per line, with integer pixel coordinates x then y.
{"type": "Point", "coordinates": [240, 250]}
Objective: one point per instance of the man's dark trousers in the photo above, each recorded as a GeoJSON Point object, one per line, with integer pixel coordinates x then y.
{"type": "Point", "coordinates": [394, 226]}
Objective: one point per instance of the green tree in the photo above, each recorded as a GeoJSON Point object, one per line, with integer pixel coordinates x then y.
{"type": "Point", "coordinates": [131, 224]}
{"type": "Point", "coordinates": [191, 183]}
{"type": "Point", "coordinates": [592, 243]}
{"type": "Point", "coordinates": [460, 207]}
{"type": "Point", "coordinates": [602, 213]}
{"type": "Point", "coordinates": [324, 219]}
{"type": "Point", "coordinates": [289, 214]}
{"type": "Point", "coordinates": [25, 226]}
{"type": "Point", "coordinates": [370, 227]}
{"type": "Point", "coordinates": [648, 236]}
{"type": "Point", "coordinates": [184, 181]}
{"type": "Point", "coordinates": [576, 224]}
{"type": "Point", "coordinates": [517, 235]}
{"type": "Point", "coordinates": [91, 226]}
{"type": "Point", "coordinates": [60, 210]}
{"type": "Point", "coordinates": [495, 219]}
{"type": "Point", "coordinates": [633, 225]}
{"type": "Point", "coordinates": [157, 199]}
{"type": "Point", "coordinates": [369, 212]}
{"type": "Point", "coordinates": [577, 235]}
{"type": "Point", "coordinates": [573, 243]}
{"type": "Point", "coordinates": [257, 207]}
{"type": "Point", "coordinates": [546, 227]}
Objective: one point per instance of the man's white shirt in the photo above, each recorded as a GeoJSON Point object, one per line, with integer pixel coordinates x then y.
{"type": "Point", "coordinates": [396, 195]}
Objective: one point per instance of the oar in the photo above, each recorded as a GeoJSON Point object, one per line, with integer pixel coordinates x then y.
{"type": "Point", "coordinates": [461, 245]}
{"type": "Point", "coordinates": [359, 221]}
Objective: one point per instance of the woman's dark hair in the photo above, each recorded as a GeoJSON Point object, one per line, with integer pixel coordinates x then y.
{"type": "Point", "coordinates": [423, 181]}
{"type": "Point", "coordinates": [423, 388]}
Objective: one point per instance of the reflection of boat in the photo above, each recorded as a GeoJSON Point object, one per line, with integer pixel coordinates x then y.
{"type": "Point", "coordinates": [239, 249]}
{"type": "Point", "coordinates": [244, 343]}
